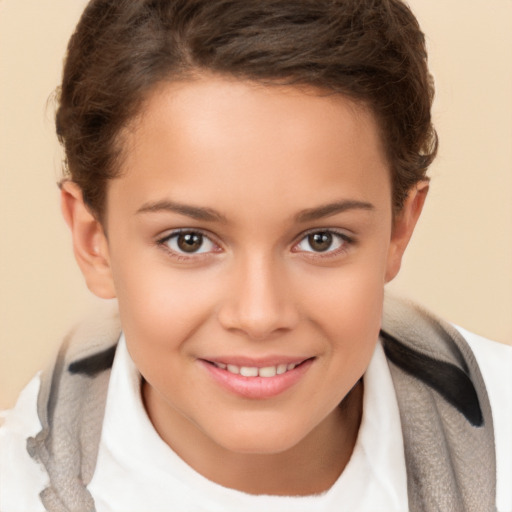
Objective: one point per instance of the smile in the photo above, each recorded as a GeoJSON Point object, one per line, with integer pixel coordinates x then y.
{"type": "Point", "coordinates": [257, 382]}
{"type": "Point", "coordinates": [254, 371]}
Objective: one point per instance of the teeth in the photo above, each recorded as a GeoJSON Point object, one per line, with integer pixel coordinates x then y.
{"type": "Point", "coordinates": [253, 371]}
{"type": "Point", "coordinates": [233, 369]}
{"type": "Point", "coordinates": [247, 371]}
{"type": "Point", "coordinates": [268, 371]}
{"type": "Point", "coordinates": [281, 368]}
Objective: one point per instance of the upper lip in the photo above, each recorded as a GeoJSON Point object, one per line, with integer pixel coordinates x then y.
{"type": "Point", "coordinates": [256, 362]}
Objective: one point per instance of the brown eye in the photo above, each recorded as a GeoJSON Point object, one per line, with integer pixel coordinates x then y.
{"type": "Point", "coordinates": [320, 242]}
{"type": "Point", "coordinates": [189, 242]}
{"type": "Point", "coordinates": [323, 241]}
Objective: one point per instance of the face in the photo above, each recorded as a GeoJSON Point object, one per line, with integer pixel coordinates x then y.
{"type": "Point", "coordinates": [248, 242]}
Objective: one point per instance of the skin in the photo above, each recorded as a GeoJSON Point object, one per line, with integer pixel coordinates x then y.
{"type": "Point", "coordinates": [255, 170]}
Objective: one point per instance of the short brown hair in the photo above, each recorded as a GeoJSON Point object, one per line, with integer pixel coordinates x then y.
{"type": "Point", "coordinates": [372, 51]}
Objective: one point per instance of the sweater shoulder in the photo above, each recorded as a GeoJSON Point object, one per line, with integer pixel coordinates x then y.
{"type": "Point", "coordinates": [21, 478]}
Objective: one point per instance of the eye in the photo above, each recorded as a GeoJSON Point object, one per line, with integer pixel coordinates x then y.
{"type": "Point", "coordinates": [322, 242]}
{"type": "Point", "coordinates": [189, 242]}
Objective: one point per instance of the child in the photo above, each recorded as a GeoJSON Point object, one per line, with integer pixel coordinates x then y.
{"type": "Point", "coordinates": [244, 177]}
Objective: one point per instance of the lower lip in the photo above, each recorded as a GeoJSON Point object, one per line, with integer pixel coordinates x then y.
{"type": "Point", "coordinates": [257, 387]}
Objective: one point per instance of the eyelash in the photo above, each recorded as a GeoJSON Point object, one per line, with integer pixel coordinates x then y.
{"type": "Point", "coordinates": [344, 240]}
{"type": "Point", "coordinates": [183, 256]}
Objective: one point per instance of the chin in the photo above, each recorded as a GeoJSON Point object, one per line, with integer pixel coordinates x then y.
{"type": "Point", "coordinates": [269, 445]}
{"type": "Point", "coordinates": [265, 440]}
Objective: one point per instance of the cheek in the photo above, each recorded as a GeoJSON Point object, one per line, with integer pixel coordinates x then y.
{"type": "Point", "coordinates": [346, 303]}
{"type": "Point", "coordinates": [161, 308]}
{"type": "Point", "coordinates": [355, 310]}
{"type": "Point", "coordinates": [353, 330]}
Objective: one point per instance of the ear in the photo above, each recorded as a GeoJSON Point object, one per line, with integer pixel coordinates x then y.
{"type": "Point", "coordinates": [403, 227]}
{"type": "Point", "coordinates": [90, 244]}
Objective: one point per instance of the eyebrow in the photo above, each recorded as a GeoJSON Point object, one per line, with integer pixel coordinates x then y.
{"type": "Point", "coordinates": [327, 210]}
{"type": "Point", "coordinates": [210, 215]}
{"type": "Point", "coordinates": [195, 212]}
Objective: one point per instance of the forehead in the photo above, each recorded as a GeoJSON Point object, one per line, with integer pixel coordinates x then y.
{"type": "Point", "coordinates": [215, 140]}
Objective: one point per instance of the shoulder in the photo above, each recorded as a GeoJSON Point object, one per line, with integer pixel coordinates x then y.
{"type": "Point", "coordinates": [21, 478]}
{"type": "Point", "coordinates": [488, 353]}
{"type": "Point", "coordinates": [495, 363]}
{"type": "Point", "coordinates": [88, 349]}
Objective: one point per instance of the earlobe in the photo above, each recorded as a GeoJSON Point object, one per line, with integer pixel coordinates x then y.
{"type": "Point", "coordinates": [90, 244]}
{"type": "Point", "coordinates": [403, 227]}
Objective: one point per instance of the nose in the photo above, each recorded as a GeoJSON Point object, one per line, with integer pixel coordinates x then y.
{"type": "Point", "coordinates": [259, 302]}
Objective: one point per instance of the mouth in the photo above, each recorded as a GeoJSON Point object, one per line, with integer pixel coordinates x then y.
{"type": "Point", "coordinates": [257, 381]}
{"type": "Point", "coordinates": [256, 371]}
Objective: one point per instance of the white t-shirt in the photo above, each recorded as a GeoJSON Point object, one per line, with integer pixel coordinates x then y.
{"type": "Point", "coordinates": [137, 471]}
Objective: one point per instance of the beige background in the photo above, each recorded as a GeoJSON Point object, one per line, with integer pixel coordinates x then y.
{"type": "Point", "coordinates": [460, 260]}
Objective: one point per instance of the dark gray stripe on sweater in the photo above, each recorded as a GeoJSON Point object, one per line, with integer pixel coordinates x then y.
{"type": "Point", "coordinates": [451, 382]}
